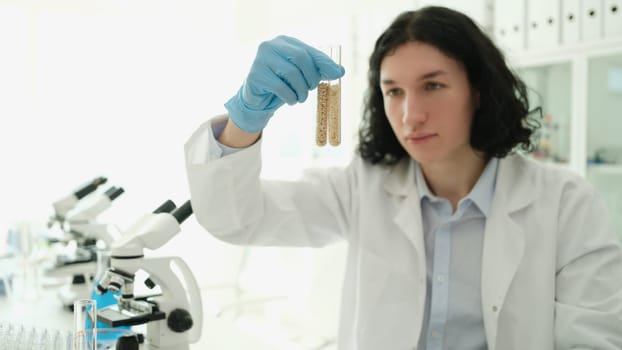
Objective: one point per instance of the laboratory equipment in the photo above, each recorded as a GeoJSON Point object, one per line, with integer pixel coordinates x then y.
{"type": "Point", "coordinates": [86, 236]}
{"type": "Point", "coordinates": [7, 266]}
{"type": "Point", "coordinates": [84, 324]}
{"type": "Point", "coordinates": [67, 203]}
{"type": "Point", "coordinates": [173, 318]}
{"type": "Point", "coordinates": [105, 299]}
{"type": "Point", "coordinates": [328, 112]}
{"type": "Point", "coordinates": [81, 222]}
{"type": "Point", "coordinates": [23, 337]}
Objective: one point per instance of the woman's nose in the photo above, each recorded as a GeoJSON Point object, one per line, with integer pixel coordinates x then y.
{"type": "Point", "coordinates": [413, 111]}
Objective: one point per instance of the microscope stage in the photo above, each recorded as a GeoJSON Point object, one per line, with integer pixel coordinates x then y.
{"type": "Point", "coordinates": [115, 317]}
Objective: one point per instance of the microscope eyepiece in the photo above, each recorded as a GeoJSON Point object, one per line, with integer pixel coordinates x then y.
{"type": "Point", "coordinates": [113, 192]}
{"type": "Point", "coordinates": [165, 207]}
{"type": "Point", "coordinates": [183, 212]}
{"type": "Point", "coordinates": [90, 187]}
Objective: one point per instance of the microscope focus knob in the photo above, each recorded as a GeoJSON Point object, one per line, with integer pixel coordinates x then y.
{"type": "Point", "coordinates": [179, 320]}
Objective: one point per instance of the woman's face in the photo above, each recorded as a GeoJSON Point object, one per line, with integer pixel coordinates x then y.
{"type": "Point", "coordinates": [428, 101]}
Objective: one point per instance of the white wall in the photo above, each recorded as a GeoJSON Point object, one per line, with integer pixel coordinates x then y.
{"type": "Point", "coordinates": [106, 88]}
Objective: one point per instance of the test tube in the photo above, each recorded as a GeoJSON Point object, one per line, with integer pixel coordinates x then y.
{"type": "Point", "coordinates": [328, 124]}
{"type": "Point", "coordinates": [14, 333]}
{"type": "Point", "coordinates": [84, 324]}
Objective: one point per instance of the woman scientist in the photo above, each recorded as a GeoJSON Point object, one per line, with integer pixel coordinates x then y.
{"type": "Point", "coordinates": [455, 241]}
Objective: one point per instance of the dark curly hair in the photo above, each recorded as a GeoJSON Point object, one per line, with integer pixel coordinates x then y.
{"type": "Point", "coordinates": [502, 122]}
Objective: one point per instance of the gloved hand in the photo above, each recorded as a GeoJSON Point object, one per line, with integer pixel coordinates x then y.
{"type": "Point", "coordinates": [284, 70]}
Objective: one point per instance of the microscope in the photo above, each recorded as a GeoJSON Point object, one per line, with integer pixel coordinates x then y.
{"type": "Point", "coordinates": [81, 222]}
{"type": "Point", "coordinates": [174, 318]}
{"type": "Point", "coordinates": [84, 237]}
{"type": "Point", "coordinates": [67, 203]}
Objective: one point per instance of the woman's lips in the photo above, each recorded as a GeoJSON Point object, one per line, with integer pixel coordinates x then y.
{"type": "Point", "coordinates": [419, 138]}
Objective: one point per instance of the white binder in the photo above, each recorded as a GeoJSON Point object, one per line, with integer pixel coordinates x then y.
{"type": "Point", "coordinates": [591, 20]}
{"type": "Point", "coordinates": [570, 21]}
{"type": "Point", "coordinates": [543, 25]}
{"type": "Point", "coordinates": [509, 25]}
{"type": "Point", "coordinates": [613, 18]}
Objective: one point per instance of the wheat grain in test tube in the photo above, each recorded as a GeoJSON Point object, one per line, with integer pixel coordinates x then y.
{"type": "Point", "coordinates": [329, 105]}
{"type": "Point", "coordinates": [321, 128]}
{"type": "Point", "coordinates": [334, 102]}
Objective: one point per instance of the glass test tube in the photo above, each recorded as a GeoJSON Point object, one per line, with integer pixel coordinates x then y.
{"type": "Point", "coordinates": [19, 337]}
{"type": "Point", "coordinates": [328, 124]}
{"type": "Point", "coordinates": [84, 324]}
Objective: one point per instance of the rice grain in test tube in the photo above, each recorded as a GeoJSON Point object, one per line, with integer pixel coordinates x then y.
{"type": "Point", "coordinates": [329, 105]}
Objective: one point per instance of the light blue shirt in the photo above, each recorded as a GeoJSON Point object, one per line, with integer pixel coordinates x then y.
{"type": "Point", "coordinates": [212, 138]}
{"type": "Point", "coordinates": [453, 245]}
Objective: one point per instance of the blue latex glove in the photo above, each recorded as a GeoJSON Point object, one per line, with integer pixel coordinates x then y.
{"type": "Point", "coordinates": [284, 70]}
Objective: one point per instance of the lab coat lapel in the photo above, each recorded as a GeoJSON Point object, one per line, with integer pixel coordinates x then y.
{"type": "Point", "coordinates": [408, 219]}
{"type": "Point", "coordinates": [504, 240]}
{"type": "Point", "coordinates": [401, 183]}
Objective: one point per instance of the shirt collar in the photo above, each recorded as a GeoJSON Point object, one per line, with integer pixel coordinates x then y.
{"type": "Point", "coordinates": [481, 194]}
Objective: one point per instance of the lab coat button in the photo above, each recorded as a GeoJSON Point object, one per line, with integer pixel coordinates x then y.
{"type": "Point", "coordinates": [495, 308]}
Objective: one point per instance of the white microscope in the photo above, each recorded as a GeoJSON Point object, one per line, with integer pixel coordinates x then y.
{"type": "Point", "coordinates": [174, 318]}
{"type": "Point", "coordinates": [67, 203]}
{"type": "Point", "coordinates": [84, 237]}
{"type": "Point", "coordinates": [81, 222]}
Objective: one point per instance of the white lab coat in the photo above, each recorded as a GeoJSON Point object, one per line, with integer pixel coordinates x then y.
{"type": "Point", "coordinates": [551, 265]}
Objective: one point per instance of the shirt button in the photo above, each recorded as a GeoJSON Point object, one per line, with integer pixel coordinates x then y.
{"type": "Point", "coordinates": [440, 278]}
{"type": "Point", "coordinates": [436, 334]}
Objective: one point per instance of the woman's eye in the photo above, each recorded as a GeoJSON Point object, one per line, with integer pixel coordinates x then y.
{"type": "Point", "coordinates": [394, 92]}
{"type": "Point", "coordinates": [433, 86]}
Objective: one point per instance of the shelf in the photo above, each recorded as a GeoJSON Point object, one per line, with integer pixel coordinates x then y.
{"type": "Point", "coordinates": [565, 53]}
{"type": "Point", "coordinates": [605, 169]}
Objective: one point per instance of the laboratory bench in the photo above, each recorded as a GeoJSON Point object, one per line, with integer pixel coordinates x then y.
{"type": "Point", "coordinates": [42, 311]}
